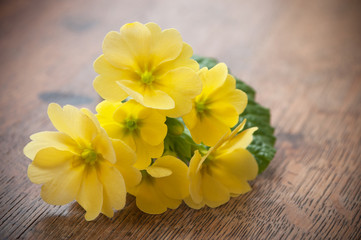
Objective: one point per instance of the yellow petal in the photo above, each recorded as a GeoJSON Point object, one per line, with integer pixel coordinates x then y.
{"type": "Point", "coordinates": [224, 113]}
{"type": "Point", "coordinates": [64, 188]}
{"type": "Point", "coordinates": [178, 177]}
{"type": "Point", "coordinates": [214, 78]}
{"type": "Point", "coordinates": [114, 130]}
{"type": "Point", "coordinates": [148, 199]}
{"type": "Point", "coordinates": [209, 131]}
{"type": "Point", "coordinates": [242, 140]}
{"type": "Point", "coordinates": [135, 89]}
{"type": "Point", "coordinates": [214, 193]}
{"type": "Point", "coordinates": [102, 145]}
{"type": "Point", "coordinates": [52, 157]}
{"type": "Point", "coordinates": [191, 119]}
{"type": "Point", "coordinates": [114, 191]}
{"type": "Point", "coordinates": [124, 154]}
{"type": "Point", "coordinates": [167, 201]}
{"type": "Point", "coordinates": [182, 85]}
{"type": "Point", "coordinates": [47, 139]}
{"type": "Point", "coordinates": [146, 152]}
{"type": "Point", "coordinates": [122, 49]}
{"type": "Point", "coordinates": [239, 162]}
{"type": "Point", "coordinates": [165, 45]}
{"type": "Point", "coordinates": [233, 182]}
{"type": "Point", "coordinates": [157, 99]}
{"type": "Point", "coordinates": [108, 89]}
{"type": "Point", "coordinates": [48, 164]}
{"type": "Point", "coordinates": [90, 195]}
{"type": "Point", "coordinates": [153, 129]}
{"type": "Point", "coordinates": [105, 110]}
{"type": "Point", "coordinates": [183, 60]}
{"type": "Point", "coordinates": [158, 172]}
{"type": "Point", "coordinates": [195, 178]}
{"type": "Point", "coordinates": [131, 175]}
{"type": "Point", "coordinates": [229, 94]}
{"type": "Point", "coordinates": [72, 121]}
{"type": "Point", "coordinates": [189, 201]}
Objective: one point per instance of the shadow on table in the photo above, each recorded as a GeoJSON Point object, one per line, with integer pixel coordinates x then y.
{"type": "Point", "coordinates": [131, 222]}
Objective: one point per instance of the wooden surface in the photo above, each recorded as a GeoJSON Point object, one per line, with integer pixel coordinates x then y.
{"type": "Point", "coordinates": [302, 57]}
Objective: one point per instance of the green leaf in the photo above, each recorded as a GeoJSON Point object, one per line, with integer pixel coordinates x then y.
{"type": "Point", "coordinates": [262, 146]}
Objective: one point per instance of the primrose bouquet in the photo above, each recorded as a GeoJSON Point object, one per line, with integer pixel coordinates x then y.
{"type": "Point", "coordinates": [163, 133]}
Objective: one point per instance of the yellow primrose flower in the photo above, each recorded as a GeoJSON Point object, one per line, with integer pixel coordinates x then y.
{"type": "Point", "coordinates": [143, 129]}
{"type": "Point", "coordinates": [76, 163]}
{"type": "Point", "coordinates": [150, 65]}
{"type": "Point", "coordinates": [217, 108]}
{"type": "Point", "coordinates": [223, 171]}
{"type": "Point", "coordinates": [164, 185]}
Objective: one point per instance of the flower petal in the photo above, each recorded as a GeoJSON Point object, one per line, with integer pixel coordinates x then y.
{"type": "Point", "coordinates": [158, 172]}
{"type": "Point", "coordinates": [157, 99]}
{"type": "Point", "coordinates": [189, 201]}
{"type": "Point", "coordinates": [48, 164]}
{"type": "Point", "coordinates": [148, 200]}
{"type": "Point", "coordinates": [214, 78]}
{"type": "Point", "coordinates": [146, 152]}
{"type": "Point", "coordinates": [153, 130]}
{"type": "Point", "coordinates": [228, 93]}
{"type": "Point", "coordinates": [191, 119]}
{"type": "Point", "coordinates": [46, 139]}
{"type": "Point", "coordinates": [214, 193]}
{"type": "Point", "coordinates": [239, 162]}
{"type": "Point", "coordinates": [72, 121]}
{"type": "Point", "coordinates": [178, 177]}
{"type": "Point", "coordinates": [108, 89]}
{"type": "Point", "coordinates": [124, 154]}
{"type": "Point", "coordinates": [234, 183]}
{"type": "Point", "coordinates": [225, 113]}
{"type": "Point", "coordinates": [52, 157]}
{"type": "Point", "coordinates": [114, 192]}
{"type": "Point", "coordinates": [135, 89]}
{"type": "Point", "coordinates": [64, 188]}
{"type": "Point", "coordinates": [125, 48]}
{"type": "Point", "coordinates": [165, 45]}
{"type": "Point", "coordinates": [209, 131]}
{"type": "Point", "coordinates": [242, 140]}
{"type": "Point", "coordinates": [90, 195]}
{"type": "Point", "coordinates": [182, 85]}
{"type": "Point", "coordinates": [183, 60]}
{"type": "Point", "coordinates": [195, 178]}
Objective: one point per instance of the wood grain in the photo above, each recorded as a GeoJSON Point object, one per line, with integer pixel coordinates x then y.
{"type": "Point", "coordinates": [302, 57]}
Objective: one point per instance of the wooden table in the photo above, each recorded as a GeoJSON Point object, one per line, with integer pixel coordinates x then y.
{"type": "Point", "coordinates": [302, 57]}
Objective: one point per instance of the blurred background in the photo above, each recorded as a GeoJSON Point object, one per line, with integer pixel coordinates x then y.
{"type": "Point", "coordinates": [302, 57]}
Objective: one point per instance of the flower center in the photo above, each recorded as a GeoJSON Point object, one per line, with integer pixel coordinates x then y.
{"type": "Point", "coordinates": [131, 124]}
{"type": "Point", "coordinates": [200, 107]}
{"type": "Point", "coordinates": [147, 77]}
{"type": "Point", "coordinates": [209, 159]}
{"type": "Point", "coordinates": [89, 156]}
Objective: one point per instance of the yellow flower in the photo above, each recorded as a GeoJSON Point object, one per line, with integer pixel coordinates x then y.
{"type": "Point", "coordinates": [217, 108]}
{"type": "Point", "coordinates": [223, 171]}
{"type": "Point", "coordinates": [150, 65]}
{"type": "Point", "coordinates": [76, 163]}
{"type": "Point", "coordinates": [164, 185]}
{"type": "Point", "coordinates": [143, 129]}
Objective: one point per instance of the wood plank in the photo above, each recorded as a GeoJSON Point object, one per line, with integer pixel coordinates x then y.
{"type": "Point", "coordinates": [302, 57]}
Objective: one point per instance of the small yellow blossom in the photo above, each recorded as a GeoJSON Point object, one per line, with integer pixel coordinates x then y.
{"type": "Point", "coordinates": [217, 108]}
{"type": "Point", "coordinates": [142, 128]}
{"type": "Point", "coordinates": [77, 163]}
{"type": "Point", "coordinates": [223, 171]}
{"type": "Point", "coordinates": [164, 185]}
{"type": "Point", "coordinates": [150, 65]}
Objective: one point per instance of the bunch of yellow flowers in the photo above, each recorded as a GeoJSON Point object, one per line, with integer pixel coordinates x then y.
{"type": "Point", "coordinates": [155, 98]}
